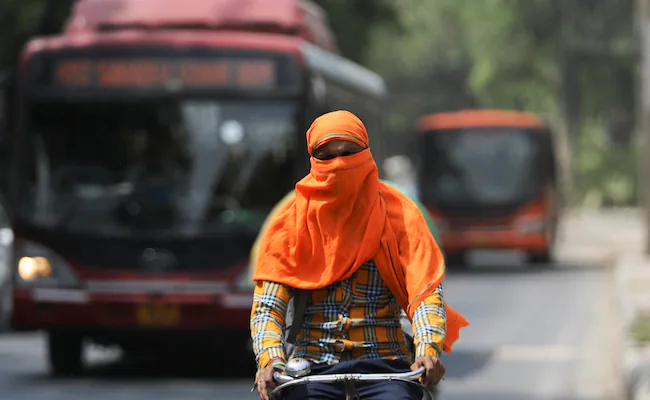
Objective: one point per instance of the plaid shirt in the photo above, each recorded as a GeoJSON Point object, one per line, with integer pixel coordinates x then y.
{"type": "Point", "coordinates": [357, 318]}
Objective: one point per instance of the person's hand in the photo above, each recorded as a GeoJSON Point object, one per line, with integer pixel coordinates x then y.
{"type": "Point", "coordinates": [434, 370]}
{"type": "Point", "coordinates": [265, 382]}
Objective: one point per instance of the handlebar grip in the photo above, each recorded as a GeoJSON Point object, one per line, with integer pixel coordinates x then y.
{"type": "Point", "coordinates": [281, 378]}
{"type": "Point", "coordinates": [417, 373]}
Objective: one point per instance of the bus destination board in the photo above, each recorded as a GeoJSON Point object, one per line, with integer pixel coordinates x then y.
{"type": "Point", "coordinates": [164, 72]}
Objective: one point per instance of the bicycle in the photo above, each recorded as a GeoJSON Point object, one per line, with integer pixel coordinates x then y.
{"type": "Point", "coordinates": [298, 369]}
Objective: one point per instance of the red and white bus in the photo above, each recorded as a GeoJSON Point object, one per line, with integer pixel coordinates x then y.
{"type": "Point", "coordinates": [150, 141]}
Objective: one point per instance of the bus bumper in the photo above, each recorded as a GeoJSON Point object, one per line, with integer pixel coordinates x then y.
{"type": "Point", "coordinates": [458, 242]}
{"type": "Point", "coordinates": [77, 309]}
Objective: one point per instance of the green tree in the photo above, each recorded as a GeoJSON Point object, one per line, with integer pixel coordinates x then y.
{"type": "Point", "coordinates": [514, 48]}
{"type": "Point", "coordinates": [503, 53]}
{"type": "Point", "coordinates": [426, 63]}
{"type": "Point", "coordinates": [352, 22]}
{"type": "Point", "coordinates": [512, 54]}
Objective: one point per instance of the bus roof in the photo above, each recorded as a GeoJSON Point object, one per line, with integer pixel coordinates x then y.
{"type": "Point", "coordinates": [301, 18]}
{"type": "Point", "coordinates": [478, 118]}
{"type": "Point", "coordinates": [314, 58]}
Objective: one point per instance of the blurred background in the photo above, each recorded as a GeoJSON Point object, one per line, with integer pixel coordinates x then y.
{"type": "Point", "coordinates": [143, 142]}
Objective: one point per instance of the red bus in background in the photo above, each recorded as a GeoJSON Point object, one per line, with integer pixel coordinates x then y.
{"type": "Point", "coordinates": [489, 179]}
{"type": "Point", "coordinates": [152, 139]}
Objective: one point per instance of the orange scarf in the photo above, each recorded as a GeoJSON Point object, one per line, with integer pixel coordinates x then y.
{"type": "Point", "coordinates": [341, 217]}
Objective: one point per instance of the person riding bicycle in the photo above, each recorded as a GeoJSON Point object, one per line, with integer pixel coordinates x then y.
{"type": "Point", "coordinates": [362, 250]}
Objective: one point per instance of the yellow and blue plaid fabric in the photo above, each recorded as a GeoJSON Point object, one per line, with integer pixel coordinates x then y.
{"type": "Point", "coordinates": [357, 318]}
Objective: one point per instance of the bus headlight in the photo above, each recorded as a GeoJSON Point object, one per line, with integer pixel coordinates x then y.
{"type": "Point", "coordinates": [32, 268]}
{"type": "Point", "coordinates": [39, 266]}
{"type": "Point", "coordinates": [530, 225]}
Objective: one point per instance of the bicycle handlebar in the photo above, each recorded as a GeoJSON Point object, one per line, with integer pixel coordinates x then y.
{"type": "Point", "coordinates": [409, 377]}
{"type": "Point", "coordinates": [333, 378]}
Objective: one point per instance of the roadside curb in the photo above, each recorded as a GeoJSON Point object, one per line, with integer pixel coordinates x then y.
{"type": "Point", "coordinates": [636, 375]}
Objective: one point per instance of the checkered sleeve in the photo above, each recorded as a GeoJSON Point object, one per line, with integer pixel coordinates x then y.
{"type": "Point", "coordinates": [429, 325]}
{"type": "Point", "coordinates": [267, 323]}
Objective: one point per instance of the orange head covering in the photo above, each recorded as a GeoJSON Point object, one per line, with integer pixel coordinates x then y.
{"type": "Point", "coordinates": [338, 125]}
{"type": "Point", "coordinates": [343, 216]}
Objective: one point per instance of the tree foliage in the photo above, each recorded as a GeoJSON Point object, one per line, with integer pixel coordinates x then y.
{"type": "Point", "coordinates": [352, 20]}
{"type": "Point", "coordinates": [498, 53]}
{"type": "Point", "coordinates": [513, 54]}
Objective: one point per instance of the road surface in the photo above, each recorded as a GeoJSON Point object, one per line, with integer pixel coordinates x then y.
{"type": "Point", "coordinates": [531, 336]}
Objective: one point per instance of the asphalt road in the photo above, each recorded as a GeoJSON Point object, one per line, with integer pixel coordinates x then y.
{"type": "Point", "coordinates": [531, 334]}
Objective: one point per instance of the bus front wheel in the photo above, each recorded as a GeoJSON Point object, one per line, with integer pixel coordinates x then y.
{"type": "Point", "coordinates": [65, 353]}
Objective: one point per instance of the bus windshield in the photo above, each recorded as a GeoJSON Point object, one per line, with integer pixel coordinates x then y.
{"type": "Point", "coordinates": [479, 167]}
{"type": "Point", "coordinates": [172, 168]}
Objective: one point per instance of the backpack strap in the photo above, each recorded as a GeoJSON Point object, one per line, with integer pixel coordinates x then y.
{"type": "Point", "coordinates": [295, 314]}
